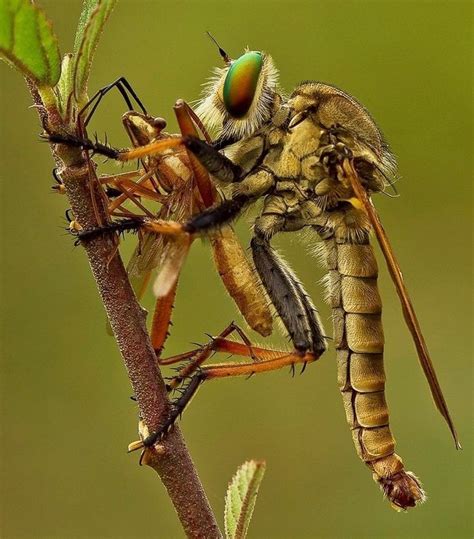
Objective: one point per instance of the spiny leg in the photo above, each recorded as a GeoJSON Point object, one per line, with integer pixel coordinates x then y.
{"type": "Point", "coordinates": [235, 348]}
{"type": "Point", "coordinates": [200, 355]}
{"type": "Point", "coordinates": [202, 222]}
{"type": "Point", "coordinates": [223, 370]}
{"type": "Point", "coordinates": [214, 162]}
{"type": "Point", "coordinates": [216, 344]}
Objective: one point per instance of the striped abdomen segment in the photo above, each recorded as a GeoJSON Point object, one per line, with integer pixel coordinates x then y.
{"type": "Point", "coordinates": [359, 341]}
{"type": "Point", "coordinates": [241, 280]}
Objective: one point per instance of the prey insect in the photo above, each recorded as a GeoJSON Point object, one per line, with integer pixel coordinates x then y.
{"type": "Point", "coordinates": [181, 187]}
{"type": "Point", "coordinates": [315, 159]}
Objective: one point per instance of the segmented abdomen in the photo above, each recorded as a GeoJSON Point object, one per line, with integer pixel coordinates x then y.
{"type": "Point", "coordinates": [241, 280]}
{"type": "Point", "coordinates": [359, 341]}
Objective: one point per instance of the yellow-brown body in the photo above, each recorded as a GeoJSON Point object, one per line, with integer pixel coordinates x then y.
{"type": "Point", "coordinates": [359, 342]}
{"type": "Point", "coordinates": [300, 173]}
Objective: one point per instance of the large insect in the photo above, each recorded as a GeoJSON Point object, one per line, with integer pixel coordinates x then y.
{"type": "Point", "coordinates": [315, 158]}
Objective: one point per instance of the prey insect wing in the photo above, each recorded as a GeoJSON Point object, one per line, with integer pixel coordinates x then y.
{"type": "Point", "coordinates": [152, 249]}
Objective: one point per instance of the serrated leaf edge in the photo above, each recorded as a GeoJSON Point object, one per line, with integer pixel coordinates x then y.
{"type": "Point", "coordinates": [80, 92]}
{"type": "Point", "coordinates": [246, 499]}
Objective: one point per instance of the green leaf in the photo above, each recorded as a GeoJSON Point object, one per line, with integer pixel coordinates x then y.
{"type": "Point", "coordinates": [88, 7]}
{"type": "Point", "coordinates": [240, 498]}
{"type": "Point", "coordinates": [28, 42]}
{"type": "Point", "coordinates": [65, 85]}
{"type": "Point", "coordinates": [91, 22]}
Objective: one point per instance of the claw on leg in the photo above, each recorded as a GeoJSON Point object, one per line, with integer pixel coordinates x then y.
{"type": "Point", "coordinates": [139, 444]}
{"type": "Point", "coordinates": [268, 360]}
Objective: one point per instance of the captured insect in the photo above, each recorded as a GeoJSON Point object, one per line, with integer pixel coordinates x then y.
{"type": "Point", "coordinates": [315, 158]}
{"type": "Point", "coordinates": [181, 187]}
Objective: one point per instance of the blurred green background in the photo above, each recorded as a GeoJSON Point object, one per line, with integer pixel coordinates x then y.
{"type": "Point", "coordinates": [66, 413]}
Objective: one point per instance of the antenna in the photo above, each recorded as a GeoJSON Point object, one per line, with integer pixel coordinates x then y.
{"type": "Point", "coordinates": [222, 52]}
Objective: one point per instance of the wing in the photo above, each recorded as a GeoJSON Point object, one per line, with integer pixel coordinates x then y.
{"type": "Point", "coordinates": [407, 306]}
{"type": "Point", "coordinates": [155, 250]}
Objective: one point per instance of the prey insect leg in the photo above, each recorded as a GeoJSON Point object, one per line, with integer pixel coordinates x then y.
{"type": "Point", "coordinates": [123, 86]}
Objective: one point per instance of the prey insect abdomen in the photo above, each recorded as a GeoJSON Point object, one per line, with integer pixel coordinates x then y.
{"type": "Point", "coordinates": [359, 340]}
{"type": "Point", "coordinates": [241, 281]}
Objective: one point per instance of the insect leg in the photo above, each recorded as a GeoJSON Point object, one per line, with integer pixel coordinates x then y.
{"type": "Point", "coordinates": [220, 371]}
{"type": "Point", "coordinates": [286, 292]}
{"type": "Point", "coordinates": [217, 164]}
{"type": "Point", "coordinates": [235, 348]}
{"type": "Point", "coordinates": [123, 86]}
{"type": "Point", "coordinates": [200, 355]}
{"type": "Point", "coordinates": [132, 190]}
{"type": "Point", "coordinates": [162, 320]}
{"type": "Point", "coordinates": [214, 162]}
{"type": "Point", "coordinates": [249, 189]}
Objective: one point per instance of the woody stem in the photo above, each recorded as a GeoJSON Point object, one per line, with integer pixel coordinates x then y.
{"type": "Point", "coordinates": [173, 464]}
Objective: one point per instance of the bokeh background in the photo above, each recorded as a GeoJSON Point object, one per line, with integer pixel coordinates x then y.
{"type": "Point", "coordinates": [66, 413]}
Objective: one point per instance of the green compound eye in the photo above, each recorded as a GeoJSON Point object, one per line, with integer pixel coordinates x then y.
{"type": "Point", "coordinates": [241, 82]}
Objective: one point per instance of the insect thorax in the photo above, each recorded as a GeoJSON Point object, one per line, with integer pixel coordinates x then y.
{"type": "Point", "coordinates": [294, 142]}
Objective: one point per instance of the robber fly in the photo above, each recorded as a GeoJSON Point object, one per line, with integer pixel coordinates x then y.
{"type": "Point", "coordinates": [315, 158]}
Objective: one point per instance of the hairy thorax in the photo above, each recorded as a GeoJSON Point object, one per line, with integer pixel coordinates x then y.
{"type": "Point", "coordinates": [299, 152]}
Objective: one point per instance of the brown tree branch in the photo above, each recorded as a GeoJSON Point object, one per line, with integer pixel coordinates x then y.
{"type": "Point", "coordinates": [127, 319]}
